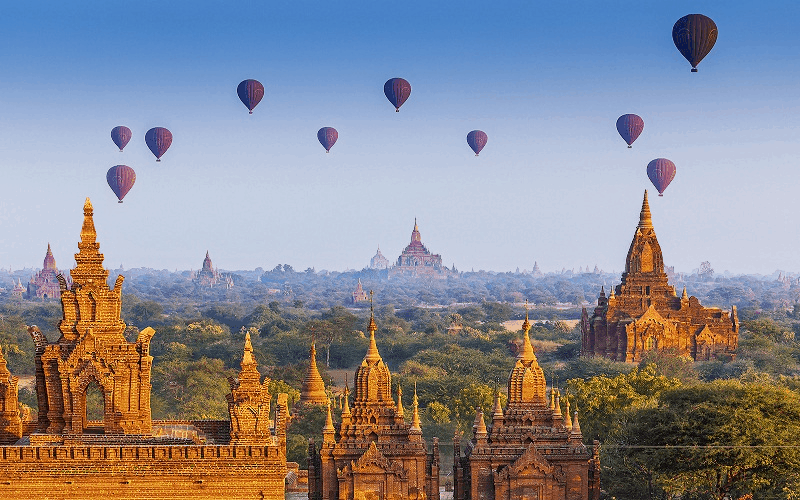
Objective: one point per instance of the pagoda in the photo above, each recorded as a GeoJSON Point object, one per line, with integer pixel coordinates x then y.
{"type": "Point", "coordinates": [44, 284]}
{"type": "Point", "coordinates": [644, 313]}
{"type": "Point", "coordinates": [359, 295]}
{"type": "Point", "coordinates": [417, 261]}
{"type": "Point", "coordinates": [313, 389]}
{"type": "Point", "coordinates": [377, 454]}
{"type": "Point", "coordinates": [379, 261]}
{"type": "Point", "coordinates": [531, 449]}
{"type": "Point", "coordinates": [208, 277]}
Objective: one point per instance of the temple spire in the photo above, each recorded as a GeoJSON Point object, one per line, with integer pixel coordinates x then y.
{"type": "Point", "coordinates": [247, 358]}
{"type": "Point", "coordinates": [526, 352]}
{"type": "Point", "coordinates": [567, 421]}
{"type": "Point", "coordinates": [372, 351]}
{"type": "Point", "coordinates": [645, 221]}
{"type": "Point", "coordinates": [346, 403]}
{"type": "Point", "coordinates": [89, 270]}
{"type": "Point", "coordinates": [415, 425]}
{"type": "Point", "coordinates": [313, 389]}
{"type": "Point", "coordinates": [400, 411]}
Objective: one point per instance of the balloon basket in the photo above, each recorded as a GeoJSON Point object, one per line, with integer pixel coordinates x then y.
{"type": "Point", "coordinates": [476, 154]}
{"type": "Point", "coordinates": [629, 147]}
{"type": "Point", "coordinates": [694, 70]}
{"type": "Point", "coordinates": [396, 110]}
{"type": "Point", "coordinates": [120, 151]}
{"type": "Point", "coordinates": [251, 112]}
{"type": "Point", "coordinates": [158, 159]}
{"type": "Point", "coordinates": [660, 194]}
{"type": "Point", "coordinates": [327, 151]}
{"type": "Point", "coordinates": [120, 201]}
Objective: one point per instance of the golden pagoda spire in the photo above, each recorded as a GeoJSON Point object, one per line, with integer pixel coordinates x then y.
{"type": "Point", "coordinates": [400, 411]}
{"type": "Point", "coordinates": [567, 421]}
{"type": "Point", "coordinates": [480, 425]}
{"type": "Point", "coordinates": [346, 402]}
{"type": "Point", "coordinates": [526, 353]}
{"type": "Point", "coordinates": [557, 409]}
{"type": "Point", "coordinates": [313, 389]}
{"type": "Point", "coordinates": [684, 295]}
{"type": "Point", "coordinates": [89, 271]}
{"type": "Point", "coordinates": [645, 221]}
{"type": "Point", "coordinates": [576, 427]}
{"type": "Point", "coordinates": [415, 425]}
{"type": "Point", "coordinates": [497, 412]}
{"type": "Point", "coordinates": [329, 431]}
{"type": "Point", "coordinates": [247, 358]}
{"type": "Point", "coordinates": [372, 351]}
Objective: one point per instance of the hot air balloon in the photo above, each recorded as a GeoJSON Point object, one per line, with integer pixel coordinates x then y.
{"type": "Point", "coordinates": [158, 139]}
{"type": "Point", "coordinates": [250, 92]}
{"type": "Point", "coordinates": [121, 178]}
{"type": "Point", "coordinates": [629, 127]}
{"type": "Point", "coordinates": [397, 91]}
{"type": "Point", "coordinates": [661, 172]}
{"type": "Point", "coordinates": [327, 137]}
{"type": "Point", "coordinates": [477, 140]}
{"type": "Point", "coordinates": [694, 36]}
{"type": "Point", "coordinates": [121, 135]}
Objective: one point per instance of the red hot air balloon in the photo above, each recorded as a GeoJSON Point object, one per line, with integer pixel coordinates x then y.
{"type": "Point", "coordinates": [250, 92]}
{"type": "Point", "coordinates": [327, 137]}
{"type": "Point", "coordinates": [397, 91]}
{"type": "Point", "coordinates": [629, 127]}
{"type": "Point", "coordinates": [661, 172]}
{"type": "Point", "coordinates": [477, 139]}
{"type": "Point", "coordinates": [121, 178]}
{"type": "Point", "coordinates": [694, 36]}
{"type": "Point", "coordinates": [158, 139]}
{"type": "Point", "coordinates": [121, 135]}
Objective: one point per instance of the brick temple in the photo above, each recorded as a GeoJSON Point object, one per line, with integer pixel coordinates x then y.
{"type": "Point", "coordinates": [417, 261]}
{"type": "Point", "coordinates": [44, 284]}
{"type": "Point", "coordinates": [531, 450]}
{"type": "Point", "coordinates": [644, 312]}
{"type": "Point", "coordinates": [126, 454]}
{"type": "Point", "coordinates": [374, 453]}
{"type": "Point", "coordinates": [209, 277]}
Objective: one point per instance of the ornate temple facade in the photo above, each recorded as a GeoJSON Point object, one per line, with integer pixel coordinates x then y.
{"type": "Point", "coordinates": [209, 277]}
{"type": "Point", "coordinates": [374, 453]}
{"type": "Point", "coordinates": [644, 312]}
{"type": "Point", "coordinates": [359, 295]}
{"type": "Point", "coordinates": [531, 450]}
{"type": "Point", "coordinates": [417, 261]}
{"type": "Point", "coordinates": [379, 261]}
{"type": "Point", "coordinates": [44, 284]}
{"type": "Point", "coordinates": [313, 389]}
{"type": "Point", "coordinates": [126, 454]}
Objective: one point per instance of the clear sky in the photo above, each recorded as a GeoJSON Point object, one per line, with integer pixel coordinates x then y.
{"type": "Point", "coordinates": [545, 80]}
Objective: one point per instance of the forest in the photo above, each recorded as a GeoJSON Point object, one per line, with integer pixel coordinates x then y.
{"type": "Point", "coordinates": [668, 427]}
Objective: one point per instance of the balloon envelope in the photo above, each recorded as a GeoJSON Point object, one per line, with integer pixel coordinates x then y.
{"type": "Point", "coordinates": [397, 91]}
{"type": "Point", "coordinates": [661, 172]}
{"type": "Point", "coordinates": [250, 92]}
{"type": "Point", "coordinates": [121, 135]}
{"type": "Point", "coordinates": [159, 140]}
{"type": "Point", "coordinates": [120, 179]}
{"type": "Point", "coordinates": [694, 36]}
{"type": "Point", "coordinates": [477, 139]}
{"type": "Point", "coordinates": [629, 127]}
{"type": "Point", "coordinates": [327, 137]}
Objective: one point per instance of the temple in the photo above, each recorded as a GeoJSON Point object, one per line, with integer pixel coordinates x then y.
{"type": "Point", "coordinates": [65, 453]}
{"type": "Point", "coordinates": [359, 295]}
{"type": "Point", "coordinates": [531, 449]}
{"type": "Point", "coordinates": [644, 313]}
{"type": "Point", "coordinates": [377, 453]}
{"type": "Point", "coordinates": [417, 261]}
{"type": "Point", "coordinates": [208, 277]}
{"type": "Point", "coordinates": [44, 284]}
{"type": "Point", "coordinates": [379, 261]}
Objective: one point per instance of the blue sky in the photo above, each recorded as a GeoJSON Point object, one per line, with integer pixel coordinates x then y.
{"type": "Point", "coordinates": [546, 82]}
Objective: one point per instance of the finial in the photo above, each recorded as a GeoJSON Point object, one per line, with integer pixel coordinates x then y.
{"type": "Point", "coordinates": [87, 206]}
{"type": "Point", "coordinates": [400, 412]}
{"type": "Point", "coordinates": [526, 325]}
{"type": "Point", "coordinates": [247, 358]}
{"type": "Point", "coordinates": [567, 421]}
{"type": "Point", "coordinates": [480, 425]}
{"type": "Point", "coordinates": [497, 412]}
{"type": "Point", "coordinates": [576, 426]}
{"type": "Point", "coordinates": [526, 352]}
{"type": "Point", "coordinates": [684, 295]}
{"type": "Point", "coordinates": [415, 425]}
{"type": "Point", "coordinates": [329, 428]}
{"type": "Point", "coordinates": [346, 409]}
{"type": "Point", "coordinates": [645, 220]}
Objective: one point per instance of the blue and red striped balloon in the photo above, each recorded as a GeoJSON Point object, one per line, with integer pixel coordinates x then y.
{"type": "Point", "coordinates": [397, 91]}
{"type": "Point", "coordinates": [250, 92]}
{"type": "Point", "coordinates": [661, 172]}
{"type": "Point", "coordinates": [477, 139]}
{"type": "Point", "coordinates": [159, 140]}
{"type": "Point", "coordinates": [327, 137]}
{"type": "Point", "coordinates": [120, 179]}
{"type": "Point", "coordinates": [121, 135]}
{"type": "Point", "coordinates": [629, 127]}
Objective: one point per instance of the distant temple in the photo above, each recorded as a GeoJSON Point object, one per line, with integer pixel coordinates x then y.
{"type": "Point", "coordinates": [64, 453]}
{"type": "Point", "coordinates": [418, 261]}
{"type": "Point", "coordinates": [18, 291]}
{"type": "Point", "coordinates": [208, 277]}
{"type": "Point", "coordinates": [531, 449]}
{"type": "Point", "coordinates": [644, 313]}
{"type": "Point", "coordinates": [359, 295]}
{"type": "Point", "coordinates": [44, 284]}
{"type": "Point", "coordinates": [379, 261]}
{"type": "Point", "coordinates": [313, 389]}
{"type": "Point", "coordinates": [378, 454]}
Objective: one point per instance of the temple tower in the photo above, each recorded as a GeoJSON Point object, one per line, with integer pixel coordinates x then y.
{"type": "Point", "coordinates": [248, 402]}
{"type": "Point", "coordinates": [10, 421]}
{"type": "Point", "coordinates": [313, 390]}
{"type": "Point", "coordinates": [92, 350]}
{"type": "Point", "coordinates": [644, 313]}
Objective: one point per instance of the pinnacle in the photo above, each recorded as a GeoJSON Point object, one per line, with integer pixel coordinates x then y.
{"type": "Point", "coordinates": [645, 220]}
